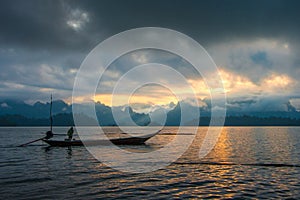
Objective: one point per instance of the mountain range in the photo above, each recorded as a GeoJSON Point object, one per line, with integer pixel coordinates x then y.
{"type": "Point", "coordinates": [19, 113]}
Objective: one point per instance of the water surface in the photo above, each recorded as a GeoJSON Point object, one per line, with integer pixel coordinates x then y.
{"type": "Point", "coordinates": [249, 162]}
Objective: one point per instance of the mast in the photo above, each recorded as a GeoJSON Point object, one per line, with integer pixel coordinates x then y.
{"type": "Point", "coordinates": [51, 120]}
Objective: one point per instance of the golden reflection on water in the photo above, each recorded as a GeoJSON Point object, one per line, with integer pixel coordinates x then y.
{"type": "Point", "coordinates": [221, 153]}
{"type": "Point", "coordinates": [222, 149]}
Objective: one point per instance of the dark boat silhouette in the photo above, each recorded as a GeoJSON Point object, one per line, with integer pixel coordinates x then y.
{"type": "Point", "coordinates": [133, 140]}
{"type": "Point", "coordinates": [117, 141]}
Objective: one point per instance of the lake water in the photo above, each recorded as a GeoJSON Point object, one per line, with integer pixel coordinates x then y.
{"type": "Point", "coordinates": [247, 162]}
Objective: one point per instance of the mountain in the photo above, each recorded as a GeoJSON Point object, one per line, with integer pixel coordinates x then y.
{"type": "Point", "coordinates": [37, 110]}
{"type": "Point", "coordinates": [18, 113]}
{"type": "Point", "coordinates": [106, 118]}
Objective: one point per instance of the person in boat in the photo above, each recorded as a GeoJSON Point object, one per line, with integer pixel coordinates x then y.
{"type": "Point", "coordinates": [49, 134]}
{"type": "Point", "coordinates": [70, 133]}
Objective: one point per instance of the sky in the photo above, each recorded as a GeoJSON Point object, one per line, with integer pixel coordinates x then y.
{"type": "Point", "coordinates": [255, 45]}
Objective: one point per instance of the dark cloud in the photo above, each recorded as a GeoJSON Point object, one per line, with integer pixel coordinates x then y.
{"type": "Point", "coordinates": [58, 34]}
{"type": "Point", "coordinates": [261, 58]}
{"type": "Point", "coordinates": [43, 24]}
{"type": "Point", "coordinates": [205, 20]}
{"type": "Point", "coordinates": [38, 25]}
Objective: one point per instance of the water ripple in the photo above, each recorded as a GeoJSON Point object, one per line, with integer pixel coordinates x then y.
{"type": "Point", "coordinates": [247, 162]}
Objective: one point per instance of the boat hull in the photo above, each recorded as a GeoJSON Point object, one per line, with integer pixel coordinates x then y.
{"type": "Point", "coordinates": [116, 141]}
{"type": "Point", "coordinates": [61, 143]}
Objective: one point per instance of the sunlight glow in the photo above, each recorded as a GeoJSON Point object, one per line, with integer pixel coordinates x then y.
{"type": "Point", "coordinates": [123, 99]}
{"type": "Point", "coordinates": [234, 85]}
{"type": "Point", "coordinates": [275, 81]}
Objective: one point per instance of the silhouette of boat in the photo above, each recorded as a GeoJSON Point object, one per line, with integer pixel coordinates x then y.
{"type": "Point", "coordinates": [134, 140]}
{"type": "Point", "coordinates": [117, 141]}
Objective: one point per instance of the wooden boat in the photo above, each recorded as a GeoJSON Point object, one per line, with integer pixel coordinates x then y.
{"type": "Point", "coordinates": [62, 143]}
{"type": "Point", "coordinates": [135, 140]}
{"type": "Point", "coordinates": [116, 141]}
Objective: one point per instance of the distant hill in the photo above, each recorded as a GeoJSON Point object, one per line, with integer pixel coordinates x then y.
{"type": "Point", "coordinates": [37, 110]}
{"type": "Point", "coordinates": [18, 113]}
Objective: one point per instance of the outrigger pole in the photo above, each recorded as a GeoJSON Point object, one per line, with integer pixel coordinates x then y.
{"type": "Point", "coordinates": [48, 134]}
{"type": "Point", "coordinates": [51, 120]}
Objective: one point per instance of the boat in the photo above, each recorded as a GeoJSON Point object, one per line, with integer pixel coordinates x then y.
{"type": "Point", "coordinates": [61, 143]}
{"type": "Point", "coordinates": [134, 140]}
{"type": "Point", "coordinates": [117, 141]}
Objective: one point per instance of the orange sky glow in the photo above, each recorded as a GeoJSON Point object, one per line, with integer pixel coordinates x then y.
{"type": "Point", "coordinates": [234, 85]}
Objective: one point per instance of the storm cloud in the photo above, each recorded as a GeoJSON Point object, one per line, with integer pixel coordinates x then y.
{"type": "Point", "coordinates": [81, 24]}
{"type": "Point", "coordinates": [42, 43]}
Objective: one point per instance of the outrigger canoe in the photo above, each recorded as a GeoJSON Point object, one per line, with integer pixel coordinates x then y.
{"type": "Point", "coordinates": [116, 141]}
{"type": "Point", "coordinates": [65, 143]}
